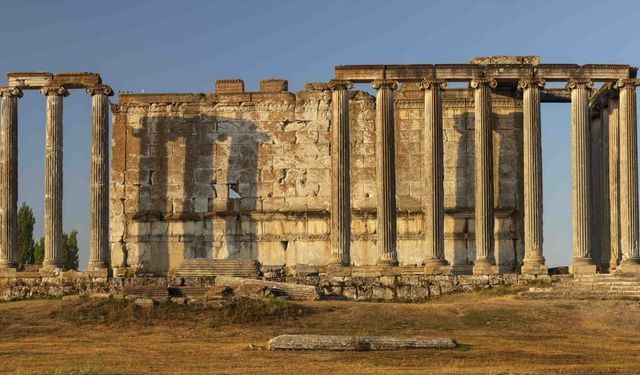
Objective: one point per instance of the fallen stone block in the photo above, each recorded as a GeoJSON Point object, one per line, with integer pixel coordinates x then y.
{"type": "Point", "coordinates": [218, 292]}
{"type": "Point", "coordinates": [145, 303]}
{"type": "Point", "coordinates": [100, 295]}
{"type": "Point", "coordinates": [294, 291]}
{"type": "Point", "coordinates": [74, 297]}
{"type": "Point", "coordinates": [357, 343]}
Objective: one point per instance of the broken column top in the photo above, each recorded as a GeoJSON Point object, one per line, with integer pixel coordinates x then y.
{"type": "Point", "coordinates": [497, 60]}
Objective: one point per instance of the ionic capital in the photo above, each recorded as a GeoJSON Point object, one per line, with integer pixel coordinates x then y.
{"type": "Point", "coordinates": [526, 83]}
{"type": "Point", "coordinates": [579, 83]}
{"type": "Point", "coordinates": [478, 82]}
{"type": "Point", "coordinates": [384, 84]}
{"type": "Point", "coordinates": [100, 89]}
{"type": "Point", "coordinates": [629, 83]}
{"type": "Point", "coordinates": [10, 91]}
{"type": "Point", "coordinates": [336, 84]}
{"type": "Point", "coordinates": [429, 83]}
{"type": "Point", "coordinates": [54, 90]}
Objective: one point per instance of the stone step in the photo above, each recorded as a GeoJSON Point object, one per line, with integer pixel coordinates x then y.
{"type": "Point", "coordinates": [294, 291]}
{"type": "Point", "coordinates": [190, 292]}
{"type": "Point", "coordinates": [146, 291]}
{"type": "Point", "coordinates": [218, 267]}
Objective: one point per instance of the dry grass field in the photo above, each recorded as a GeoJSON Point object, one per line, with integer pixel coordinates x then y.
{"type": "Point", "coordinates": [498, 334]}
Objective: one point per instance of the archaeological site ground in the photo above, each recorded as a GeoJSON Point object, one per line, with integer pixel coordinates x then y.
{"type": "Point", "coordinates": [389, 200]}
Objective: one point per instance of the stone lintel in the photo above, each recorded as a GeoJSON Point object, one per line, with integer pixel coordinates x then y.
{"type": "Point", "coordinates": [316, 86]}
{"type": "Point", "coordinates": [511, 60]}
{"type": "Point", "coordinates": [274, 85]}
{"type": "Point", "coordinates": [37, 80]}
{"type": "Point", "coordinates": [223, 86]}
{"type": "Point", "coordinates": [29, 80]}
{"type": "Point", "coordinates": [557, 95]}
{"type": "Point", "coordinates": [161, 98]}
{"type": "Point", "coordinates": [467, 72]}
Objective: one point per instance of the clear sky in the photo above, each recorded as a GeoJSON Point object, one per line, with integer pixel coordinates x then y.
{"type": "Point", "coordinates": [183, 46]}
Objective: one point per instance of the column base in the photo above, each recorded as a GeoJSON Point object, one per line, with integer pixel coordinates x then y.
{"type": "Point", "coordinates": [582, 266]}
{"type": "Point", "coordinates": [387, 263]}
{"type": "Point", "coordinates": [436, 267]}
{"type": "Point", "coordinates": [484, 267]}
{"type": "Point", "coordinates": [8, 266]}
{"type": "Point", "coordinates": [629, 266]}
{"type": "Point", "coordinates": [98, 272]}
{"type": "Point", "coordinates": [534, 266]}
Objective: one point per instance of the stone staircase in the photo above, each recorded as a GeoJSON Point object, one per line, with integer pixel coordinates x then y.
{"type": "Point", "coordinates": [218, 267]}
{"type": "Point", "coordinates": [596, 286]}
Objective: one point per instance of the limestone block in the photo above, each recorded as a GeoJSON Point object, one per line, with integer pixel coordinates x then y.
{"type": "Point", "coordinates": [223, 86]}
{"type": "Point", "coordinates": [273, 85]}
{"type": "Point", "coordinates": [411, 252]}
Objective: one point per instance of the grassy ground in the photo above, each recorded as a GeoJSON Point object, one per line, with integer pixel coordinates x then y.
{"type": "Point", "coordinates": [499, 334]}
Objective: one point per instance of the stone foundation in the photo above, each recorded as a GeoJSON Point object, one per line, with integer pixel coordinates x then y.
{"type": "Point", "coordinates": [365, 288]}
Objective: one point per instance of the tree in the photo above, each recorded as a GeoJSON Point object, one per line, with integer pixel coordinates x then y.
{"type": "Point", "coordinates": [26, 222]}
{"type": "Point", "coordinates": [38, 251]}
{"type": "Point", "coordinates": [70, 250]}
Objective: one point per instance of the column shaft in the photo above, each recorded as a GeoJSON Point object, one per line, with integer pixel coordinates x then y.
{"type": "Point", "coordinates": [532, 141]}
{"type": "Point", "coordinates": [99, 188]}
{"type": "Point", "coordinates": [340, 181]}
{"type": "Point", "coordinates": [434, 177]}
{"type": "Point", "coordinates": [580, 189]}
{"type": "Point", "coordinates": [595, 132]}
{"type": "Point", "coordinates": [628, 177]}
{"type": "Point", "coordinates": [385, 172]}
{"type": "Point", "coordinates": [483, 141]}
{"type": "Point", "coordinates": [9, 177]}
{"type": "Point", "coordinates": [605, 234]}
{"type": "Point", "coordinates": [53, 257]}
{"type": "Point", "coordinates": [614, 182]}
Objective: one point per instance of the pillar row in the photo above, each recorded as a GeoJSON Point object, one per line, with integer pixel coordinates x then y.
{"type": "Point", "coordinates": [340, 181]}
{"type": "Point", "coordinates": [580, 176]}
{"type": "Point", "coordinates": [99, 185]}
{"type": "Point", "coordinates": [434, 176]}
{"type": "Point", "coordinates": [53, 257]}
{"type": "Point", "coordinates": [9, 178]}
{"type": "Point", "coordinates": [534, 262]}
{"type": "Point", "coordinates": [484, 212]}
{"type": "Point", "coordinates": [385, 172]}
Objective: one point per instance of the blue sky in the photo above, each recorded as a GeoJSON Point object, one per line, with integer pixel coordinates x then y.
{"type": "Point", "coordinates": [171, 46]}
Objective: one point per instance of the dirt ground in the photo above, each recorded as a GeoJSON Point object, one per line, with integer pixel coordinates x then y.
{"type": "Point", "coordinates": [498, 334]}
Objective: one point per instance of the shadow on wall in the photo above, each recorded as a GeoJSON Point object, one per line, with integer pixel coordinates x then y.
{"type": "Point", "coordinates": [196, 190]}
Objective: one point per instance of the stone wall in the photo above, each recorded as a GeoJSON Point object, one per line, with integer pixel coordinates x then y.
{"type": "Point", "coordinates": [244, 175]}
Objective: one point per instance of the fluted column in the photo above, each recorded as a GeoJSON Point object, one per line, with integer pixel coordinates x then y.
{"type": "Point", "coordinates": [614, 182]}
{"type": "Point", "coordinates": [628, 176]}
{"type": "Point", "coordinates": [434, 177]}
{"type": "Point", "coordinates": [53, 180]}
{"type": "Point", "coordinates": [532, 140]}
{"type": "Point", "coordinates": [340, 182]}
{"type": "Point", "coordinates": [595, 133]}
{"type": "Point", "coordinates": [580, 189]}
{"type": "Point", "coordinates": [603, 185]}
{"type": "Point", "coordinates": [385, 172]}
{"type": "Point", "coordinates": [9, 177]}
{"type": "Point", "coordinates": [99, 186]}
{"type": "Point", "coordinates": [483, 134]}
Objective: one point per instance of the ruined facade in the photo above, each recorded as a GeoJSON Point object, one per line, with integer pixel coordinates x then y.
{"type": "Point", "coordinates": [405, 176]}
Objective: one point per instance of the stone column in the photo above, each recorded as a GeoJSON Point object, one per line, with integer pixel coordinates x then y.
{"type": "Point", "coordinates": [628, 176]}
{"type": "Point", "coordinates": [595, 133]}
{"type": "Point", "coordinates": [580, 189]}
{"type": "Point", "coordinates": [532, 139]}
{"type": "Point", "coordinates": [483, 141]}
{"type": "Point", "coordinates": [385, 172]}
{"type": "Point", "coordinates": [340, 181]}
{"type": "Point", "coordinates": [99, 188]}
{"type": "Point", "coordinates": [433, 220]}
{"type": "Point", "coordinates": [9, 178]}
{"type": "Point", "coordinates": [53, 180]}
{"type": "Point", "coordinates": [614, 182]}
{"type": "Point", "coordinates": [603, 185]}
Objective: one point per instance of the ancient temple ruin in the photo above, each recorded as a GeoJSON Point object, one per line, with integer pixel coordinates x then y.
{"type": "Point", "coordinates": [418, 178]}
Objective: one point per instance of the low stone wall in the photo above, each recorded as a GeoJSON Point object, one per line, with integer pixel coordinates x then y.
{"type": "Point", "coordinates": [373, 288]}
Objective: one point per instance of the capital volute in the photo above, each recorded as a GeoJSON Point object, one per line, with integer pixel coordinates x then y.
{"type": "Point", "coordinates": [384, 84]}
{"type": "Point", "coordinates": [100, 89]}
{"type": "Point", "coordinates": [527, 83]}
{"type": "Point", "coordinates": [54, 90]}
{"type": "Point", "coordinates": [337, 84]}
{"type": "Point", "coordinates": [629, 83]}
{"type": "Point", "coordinates": [11, 92]}
{"type": "Point", "coordinates": [479, 82]}
{"type": "Point", "coordinates": [578, 83]}
{"type": "Point", "coordinates": [429, 83]}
